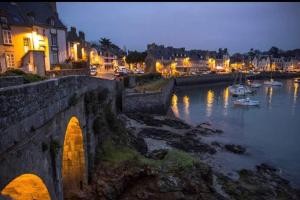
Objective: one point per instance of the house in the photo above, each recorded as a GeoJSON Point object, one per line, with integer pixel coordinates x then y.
{"type": "Point", "coordinates": [78, 48]}
{"type": "Point", "coordinates": [32, 37]}
{"type": "Point", "coordinates": [264, 63]}
{"type": "Point", "coordinates": [170, 60]}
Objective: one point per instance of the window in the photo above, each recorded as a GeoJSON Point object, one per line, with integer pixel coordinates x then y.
{"type": "Point", "coordinates": [10, 60]}
{"type": "Point", "coordinates": [53, 39]}
{"type": "Point", "coordinates": [7, 37]}
{"type": "Point", "coordinates": [54, 57]}
{"type": "Point", "coordinates": [26, 42]}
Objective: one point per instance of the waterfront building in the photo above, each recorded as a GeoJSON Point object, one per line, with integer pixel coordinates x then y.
{"type": "Point", "coordinates": [176, 61]}
{"type": "Point", "coordinates": [33, 38]}
{"type": "Point", "coordinates": [78, 48]}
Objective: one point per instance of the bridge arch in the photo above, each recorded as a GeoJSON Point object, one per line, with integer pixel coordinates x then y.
{"type": "Point", "coordinates": [26, 187]}
{"type": "Point", "coordinates": [73, 162]}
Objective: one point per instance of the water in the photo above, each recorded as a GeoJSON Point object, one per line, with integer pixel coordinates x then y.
{"type": "Point", "coordinates": [270, 132]}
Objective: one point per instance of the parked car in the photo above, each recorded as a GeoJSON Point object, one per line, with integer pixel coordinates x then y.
{"type": "Point", "coordinates": [93, 70]}
{"type": "Point", "coordinates": [139, 71]}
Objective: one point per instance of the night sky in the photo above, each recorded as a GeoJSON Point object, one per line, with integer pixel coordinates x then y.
{"type": "Point", "coordinates": [237, 26]}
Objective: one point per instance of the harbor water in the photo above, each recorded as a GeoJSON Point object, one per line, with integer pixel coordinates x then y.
{"type": "Point", "coordinates": [270, 132]}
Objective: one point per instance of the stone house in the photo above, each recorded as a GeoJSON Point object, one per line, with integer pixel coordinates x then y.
{"type": "Point", "coordinates": [78, 48]}
{"type": "Point", "coordinates": [32, 37]}
{"type": "Point", "coordinates": [169, 59]}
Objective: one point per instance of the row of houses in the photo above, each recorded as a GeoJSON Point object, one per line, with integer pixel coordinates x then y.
{"type": "Point", "coordinates": [34, 39]}
{"type": "Point", "coordinates": [171, 61]}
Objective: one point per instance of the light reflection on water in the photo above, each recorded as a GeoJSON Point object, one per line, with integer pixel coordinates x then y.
{"type": "Point", "coordinates": [209, 104]}
{"type": "Point", "coordinates": [270, 132]}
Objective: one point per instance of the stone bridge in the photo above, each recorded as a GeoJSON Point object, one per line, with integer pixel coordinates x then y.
{"type": "Point", "coordinates": [47, 143]}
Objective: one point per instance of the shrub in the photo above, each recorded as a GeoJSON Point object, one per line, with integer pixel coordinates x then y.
{"type": "Point", "coordinates": [79, 64]}
{"type": "Point", "coordinates": [28, 77]}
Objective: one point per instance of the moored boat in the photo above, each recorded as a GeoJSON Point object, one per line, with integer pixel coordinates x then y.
{"type": "Point", "coordinates": [297, 80]}
{"type": "Point", "coordinates": [255, 85]}
{"type": "Point", "coordinates": [239, 89]}
{"type": "Point", "coordinates": [271, 82]}
{"type": "Point", "coordinates": [246, 102]}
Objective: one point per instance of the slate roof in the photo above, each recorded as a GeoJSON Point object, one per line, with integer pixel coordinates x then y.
{"type": "Point", "coordinates": [17, 13]}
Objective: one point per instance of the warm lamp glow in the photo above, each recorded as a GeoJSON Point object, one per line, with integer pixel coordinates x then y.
{"type": "Point", "coordinates": [73, 167]}
{"type": "Point", "coordinates": [26, 187]}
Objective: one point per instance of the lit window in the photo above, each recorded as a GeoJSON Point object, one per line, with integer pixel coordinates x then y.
{"type": "Point", "coordinates": [53, 39]}
{"type": "Point", "coordinates": [26, 44]}
{"type": "Point", "coordinates": [7, 37]}
{"type": "Point", "coordinates": [10, 60]}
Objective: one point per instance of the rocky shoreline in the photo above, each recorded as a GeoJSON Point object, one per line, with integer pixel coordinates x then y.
{"type": "Point", "coordinates": [162, 162]}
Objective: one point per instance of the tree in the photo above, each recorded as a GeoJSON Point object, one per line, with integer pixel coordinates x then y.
{"type": "Point", "coordinates": [105, 43]}
{"type": "Point", "coordinates": [134, 57]}
{"type": "Point", "coordinates": [274, 51]}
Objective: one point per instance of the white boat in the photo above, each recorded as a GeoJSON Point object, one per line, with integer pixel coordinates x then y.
{"type": "Point", "coordinates": [239, 89]}
{"type": "Point", "coordinates": [297, 80]}
{"type": "Point", "coordinates": [246, 102]}
{"type": "Point", "coordinates": [255, 85]}
{"type": "Point", "coordinates": [271, 82]}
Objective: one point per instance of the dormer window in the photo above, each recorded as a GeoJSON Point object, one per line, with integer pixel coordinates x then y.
{"type": "Point", "coordinates": [31, 16]}
{"type": "Point", "coordinates": [3, 20]}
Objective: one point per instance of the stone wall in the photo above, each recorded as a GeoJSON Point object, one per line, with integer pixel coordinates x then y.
{"type": "Point", "coordinates": [209, 78]}
{"type": "Point", "coordinates": [154, 102]}
{"type": "Point", "coordinates": [33, 116]}
{"type": "Point", "coordinates": [67, 72]}
{"type": "Point", "coordinates": [7, 81]}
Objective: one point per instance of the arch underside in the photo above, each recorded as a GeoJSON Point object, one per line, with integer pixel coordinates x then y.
{"type": "Point", "coordinates": [73, 166]}
{"type": "Point", "coordinates": [26, 187]}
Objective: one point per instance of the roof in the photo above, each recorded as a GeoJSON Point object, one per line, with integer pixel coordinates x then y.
{"type": "Point", "coordinates": [18, 13]}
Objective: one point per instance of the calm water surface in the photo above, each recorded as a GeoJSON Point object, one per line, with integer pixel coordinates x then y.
{"type": "Point", "coordinates": [270, 132]}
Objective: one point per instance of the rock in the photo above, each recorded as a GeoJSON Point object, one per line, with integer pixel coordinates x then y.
{"type": "Point", "coordinates": [215, 143]}
{"type": "Point", "coordinates": [158, 134]}
{"type": "Point", "coordinates": [238, 149]}
{"type": "Point", "coordinates": [139, 144]}
{"type": "Point", "coordinates": [265, 168]}
{"type": "Point", "coordinates": [158, 154]}
{"type": "Point", "coordinates": [149, 120]}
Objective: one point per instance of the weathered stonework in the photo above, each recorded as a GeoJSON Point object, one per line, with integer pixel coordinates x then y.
{"type": "Point", "coordinates": [154, 102]}
{"type": "Point", "coordinates": [34, 115]}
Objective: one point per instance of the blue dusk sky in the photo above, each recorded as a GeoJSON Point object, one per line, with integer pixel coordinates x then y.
{"type": "Point", "coordinates": [237, 26]}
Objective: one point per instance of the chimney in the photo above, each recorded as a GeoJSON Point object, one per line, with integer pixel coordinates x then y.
{"type": "Point", "coordinates": [53, 6]}
{"type": "Point", "coordinates": [81, 35]}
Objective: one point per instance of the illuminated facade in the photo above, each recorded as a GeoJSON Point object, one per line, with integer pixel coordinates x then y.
{"type": "Point", "coordinates": [31, 40]}
{"type": "Point", "coordinates": [78, 48]}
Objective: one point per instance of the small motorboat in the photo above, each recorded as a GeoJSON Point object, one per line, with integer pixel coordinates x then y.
{"type": "Point", "coordinates": [273, 83]}
{"type": "Point", "coordinates": [255, 85]}
{"type": "Point", "coordinates": [239, 89]}
{"type": "Point", "coordinates": [246, 102]}
{"type": "Point", "coordinates": [297, 80]}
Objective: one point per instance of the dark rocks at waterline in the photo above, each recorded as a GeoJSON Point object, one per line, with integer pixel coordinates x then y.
{"type": "Point", "coordinates": [150, 120]}
{"type": "Point", "coordinates": [265, 168]}
{"type": "Point", "coordinates": [238, 149]}
{"type": "Point", "coordinates": [139, 144]}
{"type": "Point", "coordinates": [264, 183]}
{"type": "Point", "coordinates": [190, 145]}
{"type": "Point", "coordinates": [185, 142]}
{"type": "Point", "coordinates": [207, 129]}
{"type": "Point", "coordinates": [159, 134]}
